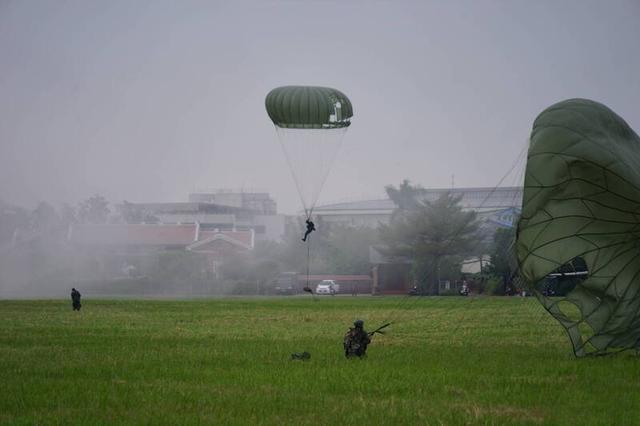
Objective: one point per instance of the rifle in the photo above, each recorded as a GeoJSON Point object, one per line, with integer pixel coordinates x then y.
{"type": "Point", "coordinates": [379, 329]}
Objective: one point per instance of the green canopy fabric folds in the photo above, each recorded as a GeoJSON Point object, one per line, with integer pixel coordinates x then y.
{"type": "Point", "coordinates": [308, 107]}
{"type": "Point", "coordinates": [582, 201]}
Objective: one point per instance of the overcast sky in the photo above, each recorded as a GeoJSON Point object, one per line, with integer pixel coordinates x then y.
{"type": "Point", "coordinates": [150, 100]}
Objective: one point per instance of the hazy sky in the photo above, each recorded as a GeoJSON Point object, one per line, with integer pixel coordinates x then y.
{"type": "Point", "coordinates": [149, 100]}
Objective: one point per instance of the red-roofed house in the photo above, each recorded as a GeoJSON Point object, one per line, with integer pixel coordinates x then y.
{"type": "Point", "coordinates": [114, 245]}
{"type": "Point", "coordinates": [220, 245]}
{"type": "Point", "coordinates": [207, 240]}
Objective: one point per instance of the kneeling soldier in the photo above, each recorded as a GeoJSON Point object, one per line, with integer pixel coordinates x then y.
{"type": "Point", "coordinates": [356, 340]}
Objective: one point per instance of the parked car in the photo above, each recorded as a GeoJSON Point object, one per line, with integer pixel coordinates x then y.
{"type": "Point", "coordinates": [335, 285]}
{"type": "Point", "coordinates": [285, 291]}
{"type": "Point", "coordinates": [286, 283]}
{"type": "Point", "coordinates": [328, 287]}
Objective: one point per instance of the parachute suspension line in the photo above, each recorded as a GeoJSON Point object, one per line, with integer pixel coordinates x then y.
{"type": "Point", "coordinates": [405, 304]}
{"type": "Point", "coordinates": [464, 313]}
{"type": "Point", "coordinates": [308, 260]}
{"type": "Point", "coordinates": [403, 308]}
{"type": "Point", "coordinates": [518, 176]}
{"type": "Point", "coordinates": [287, 156]}
{"type": "Point", "coordinates": [310, 154]}
{"type": "Point", "coordinates": [310, 123]}
{"type": "Point", "coordinates": [331, 158]}
{"type": "Point", "coordinates": [307, 287]}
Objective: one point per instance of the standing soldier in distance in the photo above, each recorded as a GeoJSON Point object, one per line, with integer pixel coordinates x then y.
{"type": "Point", "coordinates": [75, 299]}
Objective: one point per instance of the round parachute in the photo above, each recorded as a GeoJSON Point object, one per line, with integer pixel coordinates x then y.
{"type": "Point", "coordinates": [581, 218]}
{"type": "Point", "coordinates": [308, 107]}
{"type": "Point", "coordinates": [310, 122]}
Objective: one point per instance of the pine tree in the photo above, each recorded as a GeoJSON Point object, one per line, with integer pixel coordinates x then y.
{"type": "Point", "coordinates": [429, 235]}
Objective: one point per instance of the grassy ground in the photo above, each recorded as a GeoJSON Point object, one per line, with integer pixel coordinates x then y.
{"type": "Point", "coordinates": [445, 361]}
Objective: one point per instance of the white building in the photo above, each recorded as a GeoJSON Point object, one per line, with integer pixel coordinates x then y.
{"type": "Point", "coordinates": [260, 202]}
{"type": "Point", "coordinates": [499, 206]}
{"type": "Point", "coordinates": [230, 211]}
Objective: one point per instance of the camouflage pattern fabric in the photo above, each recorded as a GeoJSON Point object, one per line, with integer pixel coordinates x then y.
{"type": "Point", "coordinates": [355, 342]}
{"type": "Point", "coordinates": [304, 356]}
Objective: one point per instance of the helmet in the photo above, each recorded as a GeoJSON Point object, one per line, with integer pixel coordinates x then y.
{"type": "Point", "coordinates": [358, 323]}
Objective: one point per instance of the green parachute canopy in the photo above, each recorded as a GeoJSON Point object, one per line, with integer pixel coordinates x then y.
{"type": "Point", "coordinates": [581, 218]}
{"type": "Point", "coordinates": [308, 107]}
{"type": "Point", "coordinates": [310, 123]}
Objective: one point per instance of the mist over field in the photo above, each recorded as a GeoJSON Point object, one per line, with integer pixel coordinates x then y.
{"type": "Point", "coordinates": [105, 105]}
{"type": "Point", "coordinates": [313, 212]}
{"type": "Point", "coordinates": [149, 101]}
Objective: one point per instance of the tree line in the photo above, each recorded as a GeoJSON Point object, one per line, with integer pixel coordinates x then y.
{"type": "Point", "coordinates": [46, 219]}
{"type": "Point", "coordinates": [434, 237]}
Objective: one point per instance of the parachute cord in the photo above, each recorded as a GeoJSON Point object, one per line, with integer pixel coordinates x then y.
{"type": "Point", "coordinates": [310, 204]}
{"type": "Point", "coordinates": [308, 263]}
{"type": "Point", "coordinates": [405, 303]}
{"type": "Point", "coordinates": [464, 313]}
{"type": "Point", "coordinates": [308, 258]}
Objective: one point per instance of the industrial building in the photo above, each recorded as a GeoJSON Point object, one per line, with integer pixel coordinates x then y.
{"type": "Point", "coordinates": [495, 207]}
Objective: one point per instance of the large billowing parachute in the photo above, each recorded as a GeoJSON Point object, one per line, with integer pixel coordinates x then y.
{"type": "Point", "coordinates": [581, 216]}
{"type": "Point", "coordinates": [310, 122]}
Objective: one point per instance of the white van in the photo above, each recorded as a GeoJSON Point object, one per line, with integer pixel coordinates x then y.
{"type": "Point", "coordinates": [328, 287]}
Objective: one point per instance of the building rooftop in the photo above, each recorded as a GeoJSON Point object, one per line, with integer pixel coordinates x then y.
{"type": "Point", "coordinates": [243, 237]}
{"type": "Point", "coordinates": [133, 235]}
{"type": "Point", "coordinates": [472, 198]}
{"type": "Point", "coordinates": [154, 235]}
{"type": "Point", "coordinates": [335, 277]}
{"type": "Point", "coordinates": [187, 208]}
{"type": "Point", "coordinates": [359, 205]}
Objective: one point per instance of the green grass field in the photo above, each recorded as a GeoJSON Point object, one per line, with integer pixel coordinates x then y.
{"type": "Point", "coordinates": [227, 361]}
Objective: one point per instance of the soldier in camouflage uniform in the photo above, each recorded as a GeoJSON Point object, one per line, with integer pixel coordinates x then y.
{"type": "Point", "coordinates": [356, 340]}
